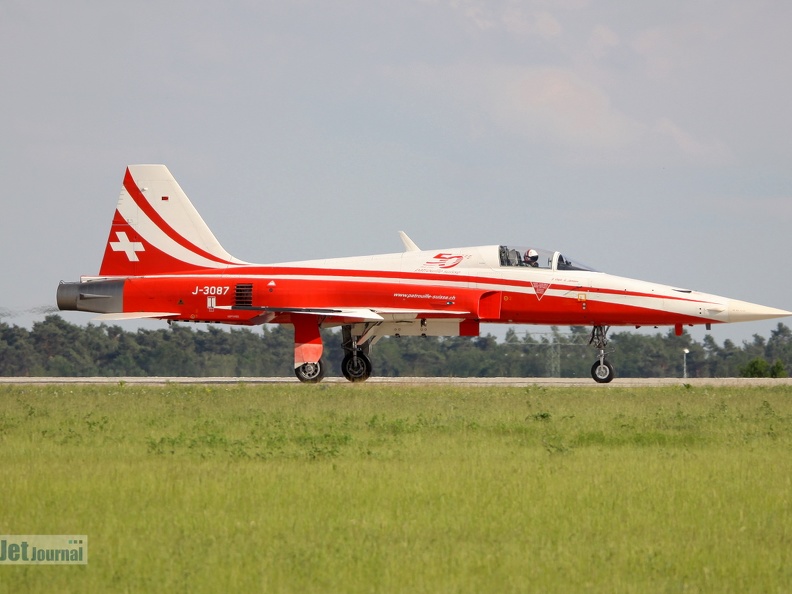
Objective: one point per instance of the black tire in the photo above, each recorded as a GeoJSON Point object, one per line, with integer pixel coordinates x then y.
{"type": "Point", "coordinates": [602, 372]}
{"type": "Point", "coordinates": [310, 373]}
{"type": "Point", "coordinates": [356, 368]}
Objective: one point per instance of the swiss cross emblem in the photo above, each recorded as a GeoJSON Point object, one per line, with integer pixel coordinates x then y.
{"type": "Point", "coordinates": [130, 248]}
{"type": "Point", "coordinates": [540, 289]}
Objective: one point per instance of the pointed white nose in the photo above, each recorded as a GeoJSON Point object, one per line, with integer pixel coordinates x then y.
{"type": "Point", "coordinates": [742, 311]}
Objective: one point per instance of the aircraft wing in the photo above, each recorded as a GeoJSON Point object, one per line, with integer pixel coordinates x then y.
{"type": "Point", "coordinates": [351, 314]}
{"type": "Point", "coordinates": [395, 313]}
{"type": "Point", "coordinates": [359, 314]}
{"type": "Point", "coordinates": [134, 315]}
{"type": "Point", "coordinates": [345, 314]}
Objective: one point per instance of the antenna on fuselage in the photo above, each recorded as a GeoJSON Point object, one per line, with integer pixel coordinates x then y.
{"type": "Point", "coordinates": [409, 244]}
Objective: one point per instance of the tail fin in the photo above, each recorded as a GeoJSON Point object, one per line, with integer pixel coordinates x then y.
{"type": "Point", "coordinates": [157, 230]}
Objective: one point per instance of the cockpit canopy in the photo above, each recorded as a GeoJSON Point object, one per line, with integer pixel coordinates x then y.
{"type": "Point", "coordinates": [537, 258]}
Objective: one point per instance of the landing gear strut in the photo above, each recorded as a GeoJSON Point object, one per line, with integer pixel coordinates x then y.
{"type": "Point", "coordinates": [602, 370]}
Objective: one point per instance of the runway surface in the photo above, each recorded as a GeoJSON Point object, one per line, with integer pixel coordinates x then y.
{"type": "Point", "coordinates": [411, 381]}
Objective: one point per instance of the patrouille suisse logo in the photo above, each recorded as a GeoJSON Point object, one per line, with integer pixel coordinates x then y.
{"type": "Point", "coordinates": [445, 260]}
{"type": "Point", "coordinates": [540, 289]}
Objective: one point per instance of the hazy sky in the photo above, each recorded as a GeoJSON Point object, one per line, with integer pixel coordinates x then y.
{"type": "Point", "coordinates": [649, 139]}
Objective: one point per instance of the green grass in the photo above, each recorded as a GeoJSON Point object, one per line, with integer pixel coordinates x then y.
{"type": "Point", "coordinates": [356, 488]}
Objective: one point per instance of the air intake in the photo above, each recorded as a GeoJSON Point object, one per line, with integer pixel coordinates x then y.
{"type": "Point", "coordinates": [243, 295]}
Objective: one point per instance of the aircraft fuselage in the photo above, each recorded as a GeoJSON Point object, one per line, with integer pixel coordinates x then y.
{"type": "Point", "coordinates": [162, 261]}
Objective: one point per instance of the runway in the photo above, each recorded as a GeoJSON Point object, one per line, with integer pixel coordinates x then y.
{"type": "Point", "coordinates": [412, 381]}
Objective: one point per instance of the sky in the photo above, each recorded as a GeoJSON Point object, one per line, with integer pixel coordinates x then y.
{"type": "Point", "coordinates": [651, 140]}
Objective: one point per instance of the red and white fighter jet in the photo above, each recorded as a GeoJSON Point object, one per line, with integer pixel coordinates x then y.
{"type": "Point", "coordinates": [162, 261]}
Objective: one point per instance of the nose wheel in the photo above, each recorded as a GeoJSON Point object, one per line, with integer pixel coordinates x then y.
{"type": "Point", "coordinates": [602, 370]}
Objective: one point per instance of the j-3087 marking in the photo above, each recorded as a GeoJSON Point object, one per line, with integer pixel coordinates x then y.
{"type": "Point", "coordinates": [207, 290]}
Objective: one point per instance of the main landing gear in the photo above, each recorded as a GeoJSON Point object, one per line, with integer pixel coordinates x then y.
{"type": "Point", "coordinates": [356, 366]}
{"type": "Point", "coordinates": [602, 370]}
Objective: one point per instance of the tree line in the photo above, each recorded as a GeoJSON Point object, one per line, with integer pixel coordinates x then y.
{"type": "Point", "coordinates": [54, 347]}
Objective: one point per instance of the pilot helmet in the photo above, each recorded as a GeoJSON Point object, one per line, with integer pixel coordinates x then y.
{"type": "Point", "coordinates": [531, 256]}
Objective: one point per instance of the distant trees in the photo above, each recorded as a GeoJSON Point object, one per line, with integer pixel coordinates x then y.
{"type": "Point", "coordinates": [55, 347]}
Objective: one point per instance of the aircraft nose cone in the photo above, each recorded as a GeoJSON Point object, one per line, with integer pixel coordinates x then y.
{"type": "Point", "coordinates": [742, 311]}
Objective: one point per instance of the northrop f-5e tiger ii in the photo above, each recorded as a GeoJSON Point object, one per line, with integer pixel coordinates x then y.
{"type": "Point", "coordinates": [162, 261]}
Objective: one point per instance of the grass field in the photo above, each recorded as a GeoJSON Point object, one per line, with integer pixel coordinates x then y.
{"type": "Point", "coordinates": [356, 488]}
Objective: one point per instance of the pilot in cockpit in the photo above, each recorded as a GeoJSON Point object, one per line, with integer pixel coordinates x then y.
{"type": "Point", "coordinates": [531, 258]}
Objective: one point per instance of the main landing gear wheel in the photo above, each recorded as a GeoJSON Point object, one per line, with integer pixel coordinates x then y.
{"type": "Point", "coordinates": [602, 372]}
{"type": "Point", "coordinates": [310, 373]}
{"type": "Point", "coordinates": [356, 367]}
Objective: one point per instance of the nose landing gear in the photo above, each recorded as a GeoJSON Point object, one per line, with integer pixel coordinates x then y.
{"type": "Point", "coordinates": [602, 370]}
